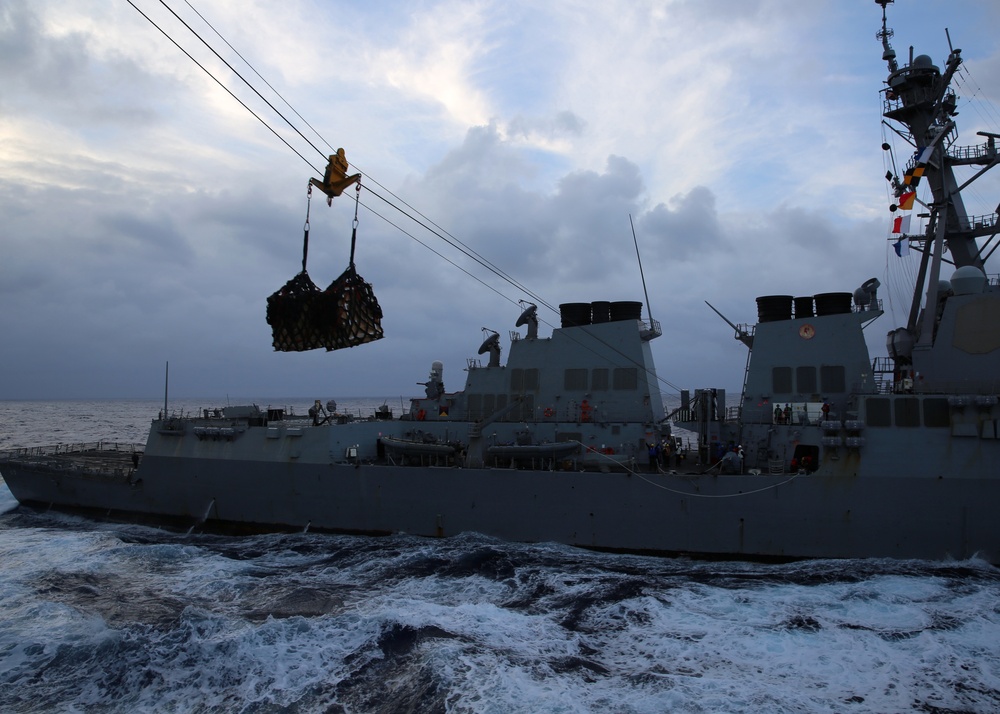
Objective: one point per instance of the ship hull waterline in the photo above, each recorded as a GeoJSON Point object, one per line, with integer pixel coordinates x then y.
{"type": "Point", "coordinates": [780, 516]}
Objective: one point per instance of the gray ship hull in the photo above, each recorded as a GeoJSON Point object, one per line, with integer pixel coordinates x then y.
{"type": "Point", "coordinates": [765, 516]}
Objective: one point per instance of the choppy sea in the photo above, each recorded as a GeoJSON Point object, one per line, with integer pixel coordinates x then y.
{"type": "Point", "coordinates": [104, 617]}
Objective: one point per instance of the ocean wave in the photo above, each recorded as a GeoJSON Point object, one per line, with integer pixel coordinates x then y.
{"type": "Point", "coordinates": [104, 617]}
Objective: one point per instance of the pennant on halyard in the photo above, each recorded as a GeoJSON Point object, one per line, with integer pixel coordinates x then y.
{"type": "Point", "coordinates": [902, 247]}
{"type": "Point", "coordinates": [906, 200]}
{"type": "Point", "coordinates": [901, 224]}
{"type": "Point", "coordinates": [924, 154]}
{"type": "Point", "coordinates": [912, 176]}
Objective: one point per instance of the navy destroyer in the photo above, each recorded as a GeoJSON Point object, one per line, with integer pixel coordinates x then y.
{"type": "Point", "coordinates": [828, 452]}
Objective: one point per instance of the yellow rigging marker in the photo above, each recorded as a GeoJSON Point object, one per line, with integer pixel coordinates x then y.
{"type": "Point", "coordinates": [335, 180]}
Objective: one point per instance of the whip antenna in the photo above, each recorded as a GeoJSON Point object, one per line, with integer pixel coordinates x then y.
{"type": "Point", "coordinates": [649, 309]}
{"type": "Point", "coordinates": [166, 389]}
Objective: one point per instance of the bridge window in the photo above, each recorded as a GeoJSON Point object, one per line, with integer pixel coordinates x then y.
{"type": "Point", "coordinates": [805, 379]}
{"type": "Point", "coordinates": [936, 412]}
{"type": "Point", "coordinates": [877, 412]}
{"type": "Point", "coordinates": [523, 380]}
{"type": "Point", "coordinates": [528, 407]}
{"type": "Point", "coordinates": [576, 380]}
{"type": "Point", "coordinates": [781, 380]}
{"type": "Point", "coordinates": [907, 411]}
{"type": "Point", "coordinates": [833, 379]}
{"type": "Point", "coordinates": [626, 378]}
{"type": "Point", "coordinates": [475, 406]}
{"type": "Point", "coordinates": [599, 379]}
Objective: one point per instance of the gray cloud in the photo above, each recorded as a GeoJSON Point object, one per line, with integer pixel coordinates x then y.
{"type": "Point", "coordinates": [147, 218]}
{"type": "Point", "coordinates": [56, 75]}
{"type": "Point", "coordinates": [685, 229]}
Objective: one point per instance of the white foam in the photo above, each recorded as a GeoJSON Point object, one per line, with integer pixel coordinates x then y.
{"type": "Point", "coordinates": [283, 620]}
{"type": "Point", "coordinates": [7, 500]}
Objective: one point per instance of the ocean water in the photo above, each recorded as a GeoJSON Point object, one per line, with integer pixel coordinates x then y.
{"type": "Point", "coordinates": [101, 617]}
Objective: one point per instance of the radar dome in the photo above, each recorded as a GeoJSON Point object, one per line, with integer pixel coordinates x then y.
{"type": "Point", "coordinates": [899, 343]}
{"type": "Point", "coordinates": [924, 62]}
{"type": "Point", "coordinates": [968, 280]}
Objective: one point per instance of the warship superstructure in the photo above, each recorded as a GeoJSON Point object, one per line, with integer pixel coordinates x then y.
{"type": "Point", "coordinates": [828, 452]}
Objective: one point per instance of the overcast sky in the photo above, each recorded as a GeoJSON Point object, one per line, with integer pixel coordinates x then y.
{"type": "Point", "coordinates": [145, 216]}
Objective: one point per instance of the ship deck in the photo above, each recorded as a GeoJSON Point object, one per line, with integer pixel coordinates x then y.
{"type": "Point", "coordinates": [111, 459]}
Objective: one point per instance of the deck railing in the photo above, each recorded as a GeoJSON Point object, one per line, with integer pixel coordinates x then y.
{"type": "Point", "coordinates": [70, 449]}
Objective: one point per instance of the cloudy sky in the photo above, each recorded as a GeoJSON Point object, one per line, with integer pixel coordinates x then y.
{"type": "Point", "coordinates": [145, 215]}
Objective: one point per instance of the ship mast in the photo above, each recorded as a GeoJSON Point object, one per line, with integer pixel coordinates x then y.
{"type": "Point", "coordinates": [919, 99]}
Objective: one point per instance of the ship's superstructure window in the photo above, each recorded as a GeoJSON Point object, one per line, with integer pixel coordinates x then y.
{"type": "Point", "coordinates": [833, 378]}
{"type": "Point", "coordinates": [576, 380]}
{"type": "Point", "coordinates": [599, 379]}
{"type": "Point", "coordinates": [877, 412]}
{"type": "Point", "coordinates": [781, 380]}
{"type": "Point", "coordinates": [475, 405]}
{"type": "Point", "coordinates": [626, 378]}
{"type": "Point", "coordinates": [805, 379]}
{"type": "Point", "coordinates": [528, 407]}
{"type": "Point", "coordinates": [936, 412]}
{"type": "Point", "coordinates": [481, 406]}
{"type": "Point", "coordinates": [523, 380]}
{"type": "Point", "coordinates": [907, 411]}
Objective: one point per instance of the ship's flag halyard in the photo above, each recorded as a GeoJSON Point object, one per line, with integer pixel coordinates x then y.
{"type": "Point", "coordinates": [901, 223]}
{"type": "Point", "coordinates": [907, 196]}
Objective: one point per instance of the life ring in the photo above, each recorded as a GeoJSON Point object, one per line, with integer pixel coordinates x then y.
{"type": "Point", "coordinates": [421, 415]}
{"type": "Point", "coordinates": [549, 412]}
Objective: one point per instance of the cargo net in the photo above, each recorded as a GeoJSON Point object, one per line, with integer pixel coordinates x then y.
{"type": "Point", "coordinates": [348, 312]}
{"type": "Point", "coordinates": [290, 313]}
{"type": "Point", "coordinates": [303, 317]}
